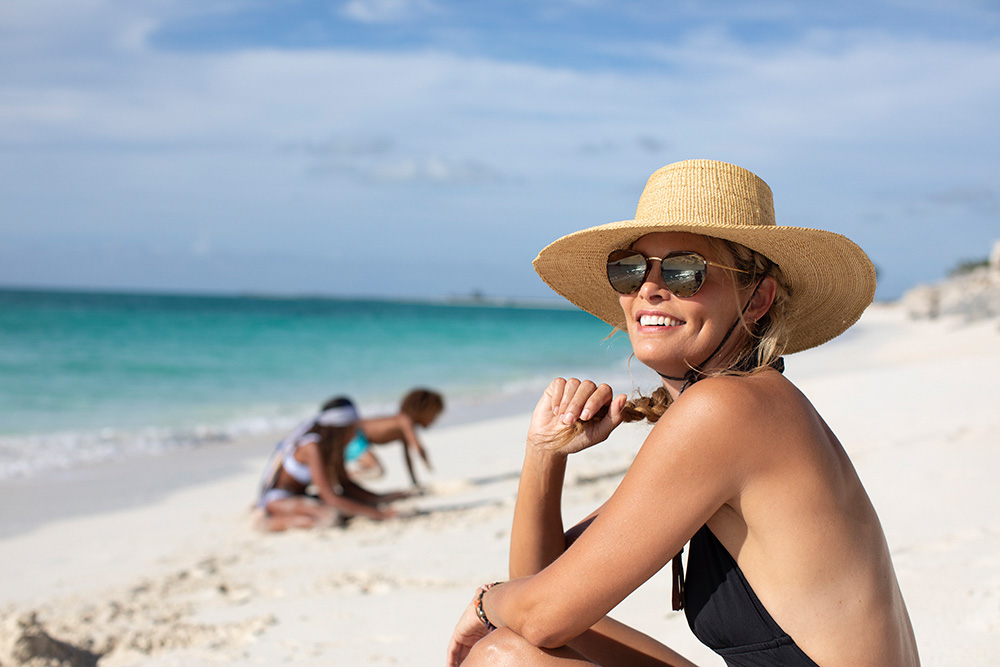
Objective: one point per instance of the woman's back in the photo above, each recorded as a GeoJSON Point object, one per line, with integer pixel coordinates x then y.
{"type": "Point", "coordinates": [801, 529]}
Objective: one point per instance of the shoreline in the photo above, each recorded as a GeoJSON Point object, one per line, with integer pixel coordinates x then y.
{"type": "Point", "coordinates": [30, 501]}
{"type": "Point", "coordinates": [64, 454]}
{"type": "Point", "coordinates": [167, 569]}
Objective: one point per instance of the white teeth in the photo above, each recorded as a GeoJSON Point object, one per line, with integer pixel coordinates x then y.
{"type": "Point", "coordinates": [658, 321]}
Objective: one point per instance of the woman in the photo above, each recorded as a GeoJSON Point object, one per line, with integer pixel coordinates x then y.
{"type": "Point", "coordinates": [787, 563]}
{"type": "Point", "coordinates": [313, 454]}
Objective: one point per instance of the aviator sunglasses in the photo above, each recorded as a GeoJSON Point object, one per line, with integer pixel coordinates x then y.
{"type": "Point", "coordinates": [683, 272]}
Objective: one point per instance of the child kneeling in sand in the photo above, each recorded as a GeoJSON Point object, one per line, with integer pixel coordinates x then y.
{"type": "Point", "coordinates": [420, 407]}
{"type": "Point", "coordinates": [313, 455]}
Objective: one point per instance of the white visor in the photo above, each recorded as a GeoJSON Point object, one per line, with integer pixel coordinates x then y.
{"type": "Point", "coordinates": [343, 415]}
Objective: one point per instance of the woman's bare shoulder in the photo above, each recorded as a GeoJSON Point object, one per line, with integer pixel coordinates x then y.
{"type": "Point", "coordinates": [735, 396]}
{"type": "Point", "coordinates": [740, 412]}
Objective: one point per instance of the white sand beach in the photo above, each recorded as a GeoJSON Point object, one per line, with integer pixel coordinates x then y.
{"type": "Point", "coordinates": [156, 562]}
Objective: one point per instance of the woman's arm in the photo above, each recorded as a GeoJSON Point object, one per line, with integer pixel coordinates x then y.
{"type": "Point", "coordinates": [690, 466]}
{"type": "Point", "coordinates": [537, 536]}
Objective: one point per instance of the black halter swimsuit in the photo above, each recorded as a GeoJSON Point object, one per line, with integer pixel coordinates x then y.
{"type": "Point", "coordinates": [725, 614]}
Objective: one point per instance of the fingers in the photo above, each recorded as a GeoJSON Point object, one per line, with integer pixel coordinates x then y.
{"type": "Point", "coordinates": [597, 404]}
{"type": "Point", "coordinates": [456, 653]}
{"type": "Point", "coordinates": [616, 412]}
{"type": "Point", "coordinates": [573, 399]}
{"type": "Point", "coordinates": [467, 632]}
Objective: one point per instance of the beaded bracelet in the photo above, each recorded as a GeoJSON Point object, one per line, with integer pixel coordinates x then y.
{"type": "Point", "coordinates": [479, 605]}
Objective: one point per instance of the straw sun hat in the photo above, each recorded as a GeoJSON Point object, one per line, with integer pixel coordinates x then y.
{"type": "Point", "coordinates": [832, 280]}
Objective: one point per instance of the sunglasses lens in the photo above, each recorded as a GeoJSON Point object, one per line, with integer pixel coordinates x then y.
{"type": "Point", "coordinates": [626, 270]}
{"type": "Point", "coordinates": [683, 273]}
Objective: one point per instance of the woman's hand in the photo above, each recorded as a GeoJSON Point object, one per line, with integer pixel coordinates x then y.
{"type": "Point", "coordinates": [554, 422]}
{"type": "Point", "coordinates": [468, 631]}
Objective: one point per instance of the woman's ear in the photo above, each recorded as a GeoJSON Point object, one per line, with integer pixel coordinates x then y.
{"type": "Point", "coordinates": [762, 299]}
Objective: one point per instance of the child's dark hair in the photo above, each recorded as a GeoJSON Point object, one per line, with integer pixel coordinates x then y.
{"type": "Point", "coordinates": [337, 402]}
{"type": "Point", "coordinates": [422, 403]}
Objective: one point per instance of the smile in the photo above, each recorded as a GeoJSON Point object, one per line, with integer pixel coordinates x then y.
{"type": "Point", "coordinates": [658, 321]}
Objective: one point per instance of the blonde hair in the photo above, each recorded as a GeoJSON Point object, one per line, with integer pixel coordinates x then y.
{"type": "Point", "coordinates": [768, 335]}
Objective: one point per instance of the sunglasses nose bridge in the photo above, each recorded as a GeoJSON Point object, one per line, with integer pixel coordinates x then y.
{"type": "Point", "coordinates": [654, 278]}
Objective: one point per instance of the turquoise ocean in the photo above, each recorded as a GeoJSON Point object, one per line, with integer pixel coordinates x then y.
{"type": "Point", "coordinates": [90, 376]}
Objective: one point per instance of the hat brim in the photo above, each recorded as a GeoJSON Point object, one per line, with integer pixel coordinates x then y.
{"type": "Point", "coordinates": [831, 279]}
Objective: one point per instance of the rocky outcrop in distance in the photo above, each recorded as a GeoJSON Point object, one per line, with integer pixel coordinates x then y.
{"type": "Point", "coordinates": [974, 295]}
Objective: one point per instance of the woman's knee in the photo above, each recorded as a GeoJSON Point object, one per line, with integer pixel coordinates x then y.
{"type": "Point", "coordinates": [502, 647]}
{"type": "Point", "coordinates": [506, 648]}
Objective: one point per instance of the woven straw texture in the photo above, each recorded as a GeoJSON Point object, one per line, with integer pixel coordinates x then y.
{"type": "Point", "coordinates": [831, 279]}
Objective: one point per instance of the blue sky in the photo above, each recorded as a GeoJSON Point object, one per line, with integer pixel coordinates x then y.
{"type": "Point", "coordinates": [429, 148]}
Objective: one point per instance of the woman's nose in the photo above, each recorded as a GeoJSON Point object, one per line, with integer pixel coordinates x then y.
{"type": "Point", "coordinates": [652, 287]}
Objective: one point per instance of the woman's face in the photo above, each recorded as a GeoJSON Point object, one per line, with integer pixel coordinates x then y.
{"type": "Point", "coordinates": [671, 334]}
